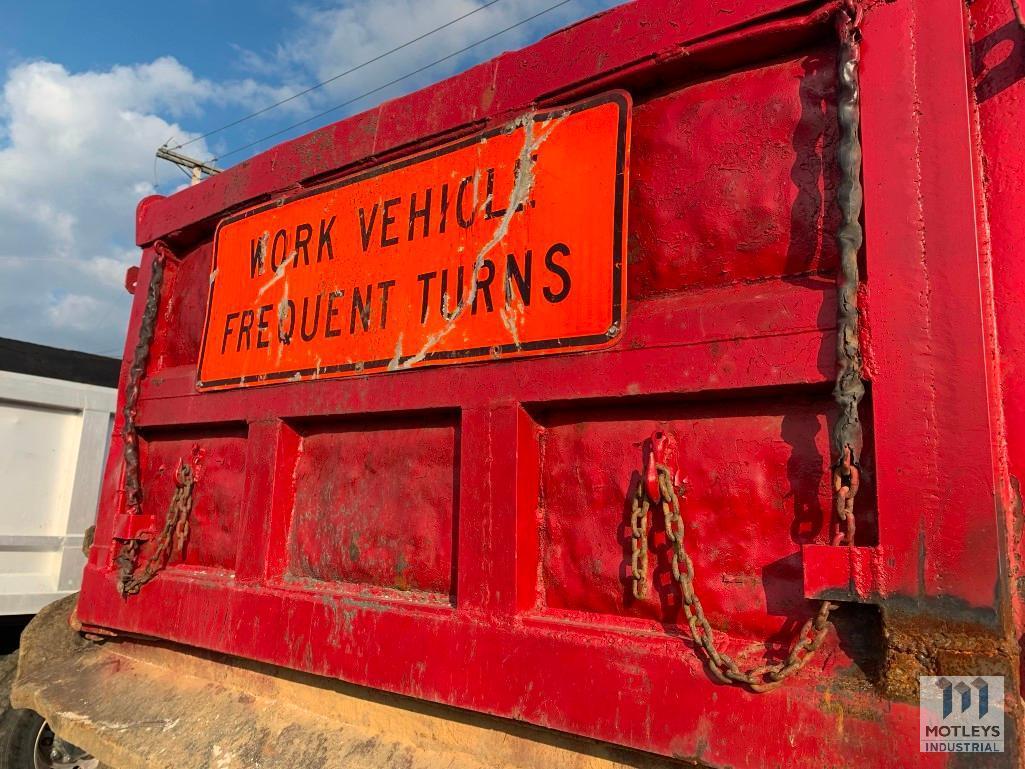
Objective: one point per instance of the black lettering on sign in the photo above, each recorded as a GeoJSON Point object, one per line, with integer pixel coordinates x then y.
{"type": "Point", "coordinates": [287, 307]}
{"type": "Point", "coordinates": [444, 208]}
{"type": "Point", "coordinates": [490, 212]}
{"type": "Point", "coordinates": [308, 335]}
{"type": "Point", "coordinates": [280, 237]}
{"type": "Point", "coordinates": [420, 213]}
{"type": "Point", "coordinates": [332, 311]}
{"type": "Point", "coordinates": [384, 285]}
{"type": "Point", "coordinates": [425, 278]}
{"type": "Point", "coordinates": [360, 308]}
{"type": "Point", "coordinates": [388, 219]}
{"type": "Point", "coordinates": [262, 324]}
{"type": "Point", "coordinates": [513, 273]}
{"type": "Point", "coordinates": [366, 228]}
{"type": "Point", "coordinates": [460, 216]}
{"type": "Point", "coordinates": [325, 240]}
{"type": "Point", "coordinates": [227, 329]}
{"type": "Point", "coordinates": [245, 327]}
{"type": "Point", "coordinates": [448, 307]}
{"type": "Point", "coordinates": [484, 284]}
{"type": "Point", "coordinates": [257, 250]}
{"type": "Point", "coordinates": [557, 269]}
{"type": "Point", "coordinates": [303, 233]}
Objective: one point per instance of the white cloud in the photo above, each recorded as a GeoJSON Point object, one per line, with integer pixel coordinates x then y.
{"type": "Point", "coordinates": [74, 312]}
{"type": "Point", "coordinates": [341, 35]}
{"type": "Point", "coordinates": [76, 156]}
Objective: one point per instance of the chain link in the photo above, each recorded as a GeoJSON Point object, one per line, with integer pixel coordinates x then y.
{"type": "Point", "coordinates": [140, 356]}
{"type": "Point", "coordinates": [130, 581]}
{"type": "Point", "coordinates": [639, 542]}
{"type": "Point", "coordinates": [846, 479]}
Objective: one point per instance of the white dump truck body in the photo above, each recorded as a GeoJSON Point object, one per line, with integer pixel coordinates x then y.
{"type": "Point", "coordinates": [54, 436]}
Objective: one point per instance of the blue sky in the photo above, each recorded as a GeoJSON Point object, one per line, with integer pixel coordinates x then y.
{"type": "Point", "coordinates": [89, 90]}
{"type": "Point", "coordinates": [79, 36]}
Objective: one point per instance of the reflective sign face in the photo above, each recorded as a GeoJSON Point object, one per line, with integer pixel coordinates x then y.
{"type": "Point", "coordinates": [504, 244]}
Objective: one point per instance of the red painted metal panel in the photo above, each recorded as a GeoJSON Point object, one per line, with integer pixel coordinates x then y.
{"type": "Point", "coordinates": [422, 531]}
{"type": "Point", "coordinates": [358, 489]}
{"type": "Point", "coordinates": [754, 176]}
{"type": "Point", "coordinates": [757, 470]}
{"type": "Point", "coordinates": [219, 459]}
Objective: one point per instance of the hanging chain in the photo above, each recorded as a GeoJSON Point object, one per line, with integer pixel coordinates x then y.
{"type": "Point", "coordinates": [723, 667]}
{"type": "Point", "coordinates": [848, 392]}
{"type": "Point", "coordinates": [639, 542]}
{"type": "Point", "coordinates": [128, 581]}
{"type": "Point", "coordinates": [849, 389]}
{"type": "Point", "coordinates": [173, 537]}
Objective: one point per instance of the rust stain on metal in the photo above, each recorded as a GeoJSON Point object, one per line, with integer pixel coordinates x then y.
{"type": "Point", "coordinates": [926, 645]}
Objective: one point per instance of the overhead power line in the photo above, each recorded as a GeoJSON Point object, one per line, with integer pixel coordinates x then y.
{"type": "Point", "coordinates": [340, 75]}
{"type": "Point", "coordinates": [372, 91]}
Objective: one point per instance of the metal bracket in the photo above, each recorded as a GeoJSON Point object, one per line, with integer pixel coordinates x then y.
{"type": "Point", "coordinates": [140, 526]}
{"type": "Point", "coordinates": [848, 574]}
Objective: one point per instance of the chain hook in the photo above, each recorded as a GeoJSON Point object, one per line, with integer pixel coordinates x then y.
{"type": "Point", "coordinates": [663, 452]}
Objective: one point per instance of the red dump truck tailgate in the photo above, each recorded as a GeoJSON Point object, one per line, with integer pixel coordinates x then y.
{"type": "Point", "coordinates": [407, 379]}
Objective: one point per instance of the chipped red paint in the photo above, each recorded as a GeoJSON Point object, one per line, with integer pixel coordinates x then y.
{"type": "Point", "coordinates": [462, 534]}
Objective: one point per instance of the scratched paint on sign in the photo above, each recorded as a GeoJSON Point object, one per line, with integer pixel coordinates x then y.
{"type": "Point", "coordinates": [503, 244]}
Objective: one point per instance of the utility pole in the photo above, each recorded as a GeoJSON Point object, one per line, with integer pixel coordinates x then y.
{"type": "Point", "coordinates": [195, 167]}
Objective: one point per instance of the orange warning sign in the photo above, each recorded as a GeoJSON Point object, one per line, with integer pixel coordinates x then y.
{"type": "Point", "coordinates": [503, 244]}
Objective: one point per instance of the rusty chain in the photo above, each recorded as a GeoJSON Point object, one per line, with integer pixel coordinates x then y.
{"type": "Point", "coordinates": [849, 389]}
{"type": "Point", "coordinates": [848, 392]}
{"type": "Point", "coordinates": [129, 582]}
{"type": "Point", "coordinates": [173, 536]}
{"type": "Point", "coordinates": [723, 667]}
{"type": "Point", "coordinates": [639, 542]}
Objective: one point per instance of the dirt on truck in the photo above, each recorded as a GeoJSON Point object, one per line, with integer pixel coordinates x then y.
{"type": "Point", "coordinates": [645, 397]}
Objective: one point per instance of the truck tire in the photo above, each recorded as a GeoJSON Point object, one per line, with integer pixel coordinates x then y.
{"type": "Point", "coordinates": [18, 732]}
{"type": "Point", "coordinates": [18, 728]}
{"type": "Point", "coordinates": [24, 732]}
